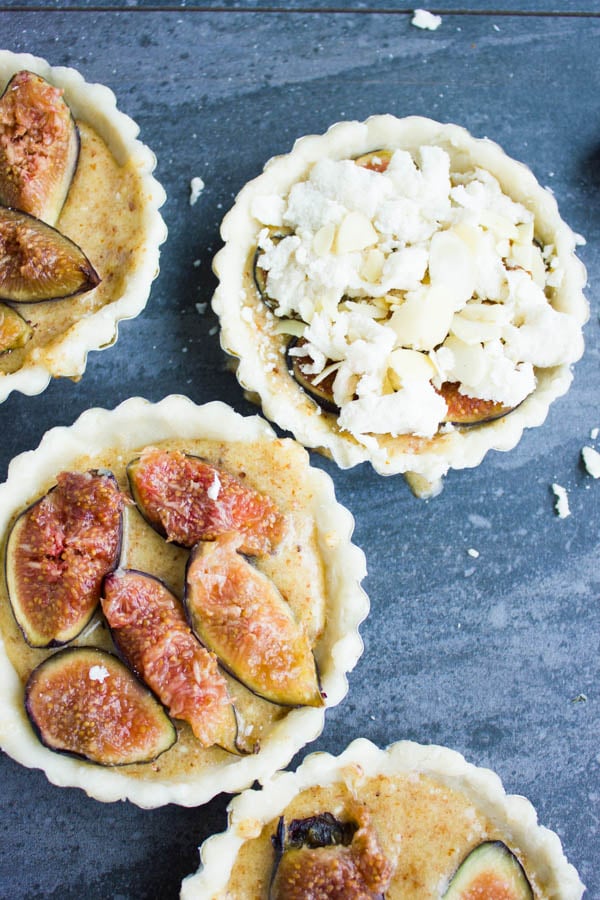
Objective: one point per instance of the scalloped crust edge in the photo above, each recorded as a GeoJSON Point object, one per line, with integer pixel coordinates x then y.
{"type": "Point", "coordinates": [297, 414]}
{"type": "Point", "coordinates": [250, 811]}
{"type": "Point", "coordinates": [132, 424]}
{"type": "Point", "coordinates": [95, 104]}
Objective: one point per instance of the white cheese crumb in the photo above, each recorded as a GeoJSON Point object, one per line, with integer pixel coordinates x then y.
{"type": "Point", "coordinates": [562, 501]}
{"type": "Point", "coordinates": [98, 673]}
{"type": "Point", "coordinates": [213, 330]}
{"type": "Point", "coordinates": [201, 308]}
{"type": "Point", "coordinates": [196, 188]}
{"type": "Point", "coordinates": [594, 433]}
{"type": "Point", "coordinates": [424, 19]}
{"type": "Point", "coordinates": [197, 263]}
{"type": "Point", "coordinates": [591, 461]}
{"type": "Point", "coordinates": [496, 27]}
{"type": "Point", "coordinates": [472, 552]}
{"type": "Point", "coordinates": [215, 488]}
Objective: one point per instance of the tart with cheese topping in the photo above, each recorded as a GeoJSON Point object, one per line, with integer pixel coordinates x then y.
{"type": "Point", "coordinates": [69, 161]}
{"type": "Point", "coordinates": [213, 560]}
{"type": "Point", "coordinates": [400, 292]}
{"type": "Point", "coordinates": [411, 822]}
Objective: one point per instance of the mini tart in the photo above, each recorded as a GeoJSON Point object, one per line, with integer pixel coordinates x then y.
{"type": "Point", "coordinates": [427, 806]}
{"type": "Point", "coordinates": [252, 333]}
{"type": "Point", "coordinates": [322, 573]}
{"type": "Point", "coordinates": [111, 212]}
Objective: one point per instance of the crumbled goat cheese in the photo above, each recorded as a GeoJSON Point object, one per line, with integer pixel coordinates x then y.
{"type": "Point", "coordinates": [98, 673]}
{"type": "Point", "coordinates": [201, 308]}
{"type": "Point", "coordinates": [591, 461]}
{"type": "Point", "coordinates": [404, 279]}
{"type": "Point", "coordinates": [562, 501]}
{"type": "Point", "coordinates": [196, 188]}
{"type": "Point", "coordinates": [474, 553]}
{"type": "Point", "coordinates": [215, 488]}
{"type": "Point", "coordinates": [594, 433]}
{"type": "Point", "coordinates": [424, 19]}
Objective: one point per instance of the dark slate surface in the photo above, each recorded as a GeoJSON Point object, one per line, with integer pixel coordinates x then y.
{"type": "Point", "coordinates": [485, 655]}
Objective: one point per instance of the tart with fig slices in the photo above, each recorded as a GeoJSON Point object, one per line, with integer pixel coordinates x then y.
{"type": "Point", "coordinates": [400, 292]}
{"type": "Point", "coordinates": [179, 605]}
{"type": "Point", "coordinates": [80, 229]}
{"type": "Point", "coordinates": [411, 822]}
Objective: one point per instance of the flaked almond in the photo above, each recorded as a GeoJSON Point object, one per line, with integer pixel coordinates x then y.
{"type": "Point", "coordinates": [355, 232]}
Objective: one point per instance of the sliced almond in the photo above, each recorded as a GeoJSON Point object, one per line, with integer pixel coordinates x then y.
{"type": "Point", "coordinates": [355, 232]}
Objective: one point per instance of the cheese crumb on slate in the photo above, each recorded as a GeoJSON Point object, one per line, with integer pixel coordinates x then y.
{"type": "Point", "coordinates": [98, 673]}
{"type": "Point", "coordinates": [472, 552]}
{"type": "Point", "coordinates": [402, 280]}
{"type": "Point", "coordinates": [594, 433]}
{"type": "Point", "coordinates": [561, 505]}
{"type": "Point", "coordinates": [196, 188]}
{"type": "Point", "coordinates": [591, 461]}
{"type": "Point", "coordinates": [424, 19]}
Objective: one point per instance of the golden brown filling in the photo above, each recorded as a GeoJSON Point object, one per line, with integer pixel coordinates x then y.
{"type": "Point", "coordinates": [424, 828]}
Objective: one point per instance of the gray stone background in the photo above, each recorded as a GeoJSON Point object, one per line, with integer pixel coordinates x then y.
{"type": "Point", "coordinates": [484, 655]}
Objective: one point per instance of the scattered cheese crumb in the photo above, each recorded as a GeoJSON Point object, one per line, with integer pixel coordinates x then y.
{"type": "Point", "coordinates": [496, 27]}
{"type": "Point", "coordinates": [562, 501]}
{"type": "Point", "coordinates": [594, 433]}
{"type": "Point", "coordinates": [213, 330]}
{"type": "Point", "coordinates": [98, 673]}
{"type": "Point", "coordinates": [215, 488]}
{"type": "Point", "coordinates": [591, 461]}
{"type": "Point", "coordinates": [472, 552]}
{"type": "Point", "coordinates": [580, 698]}
{"type": "Point", "coordinates": [201, 308]}
{"type": "Point", "coordinates": [196, 188]}
{"type": "Point", "coordinates": [197, 263]}
{"type": "Point", "coordinates": [424, 19]}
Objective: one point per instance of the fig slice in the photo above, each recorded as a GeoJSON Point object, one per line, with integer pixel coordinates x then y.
{"type": "Point", "coordinates": [320, 389]}
{"type": "Point", "coordinates": [151, 633]}
{"type": "Point", "coordinates": [187, 500]}
{"type": "Point", "coordinates": [38, 263]}
{"type": "Point", "coordinates": [58, 551]}
{"type": "Point", "coordinates": [39, 147]}
{"type": "Point", "coordinates": [466, 411]}
{"type": "Point", "coordinates": [376, 160]}
{"type": "Point", "coordinates": [490, 871]}
{"type": "Point", "coordinates": [14, 330]}
{"type": "Point", "coordinates": [239, 613]}
{"type": "Point", "coordinates": [324, 857]}
{"type": "Point", "coordinates": [85, 702]}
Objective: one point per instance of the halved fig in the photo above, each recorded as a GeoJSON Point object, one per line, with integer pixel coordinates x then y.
{"type": "Point", "coordinates": [490, 871]}
{"type": "Point", "coordinates": [85, 702]}
{"type": "Point", "coordinates": [38, 263]}
{"type": "Point", "coordinates": [187, 500]}
{"type": "Point", "coordinates": [39, 147]}
{"type": "Point", "coordinates": [14, 330]}
{"type": "Point", "coordinates": [463, 410]}
{"type": "Point", "coordinates": [239, 613]}
{"type": "Point", "coordinates": [151, 633]}
{"type": "Point", "coordinates": [320, 389]}
{"type": "Point", "coordinates": [376, 160]}
{"type": "Point", "coordinates": [58, 552]}
{"type": "Point", "coordinates": [324, 857]}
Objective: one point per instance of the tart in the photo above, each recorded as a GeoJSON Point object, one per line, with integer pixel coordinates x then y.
{"type": "Point", "coordinates": [400, 292]}
{"type": "Point", "coordinates": [408, 822]}
{"type": "Point", "coordinates": [106, 206]}
{"type": "Point", "coordinates": [206, 632]}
